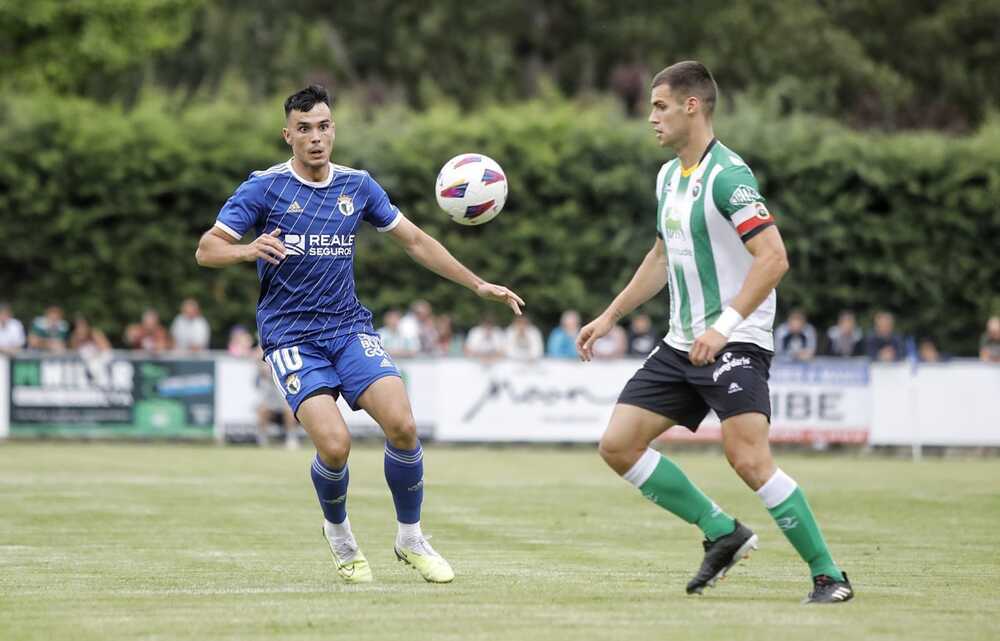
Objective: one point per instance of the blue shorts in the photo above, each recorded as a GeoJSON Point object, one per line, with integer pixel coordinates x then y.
{"type": "Point", "coordinates": [346, 365]}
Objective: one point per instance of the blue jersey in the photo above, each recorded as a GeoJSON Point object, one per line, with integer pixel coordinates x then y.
{"type": "Point", "coordinates": [310, 295]}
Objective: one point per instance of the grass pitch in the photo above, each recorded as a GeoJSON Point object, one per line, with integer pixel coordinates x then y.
{"type": "Point", "coordinates": [181, 542]}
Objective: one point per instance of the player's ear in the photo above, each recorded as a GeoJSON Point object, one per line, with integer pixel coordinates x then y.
{"type": "Point", "coordinates": [287, 135]}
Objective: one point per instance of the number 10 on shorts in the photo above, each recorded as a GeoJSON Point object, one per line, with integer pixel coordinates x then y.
{"type": "Point", "coordinates": [282, 362]}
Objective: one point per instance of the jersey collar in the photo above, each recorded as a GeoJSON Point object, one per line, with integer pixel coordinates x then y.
{"type": "Point", "coordinates": [685, 172]}
{"type": "Point", "coordinates": [325, 183]}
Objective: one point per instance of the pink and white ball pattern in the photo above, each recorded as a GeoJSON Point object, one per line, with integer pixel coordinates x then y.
{"type": "Point", "coordinates": [471, 189]}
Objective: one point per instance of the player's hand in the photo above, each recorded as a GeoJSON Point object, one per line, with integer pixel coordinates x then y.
{"type": "Point", "coordinates": [706, 347]}
{"type": "Point", "coordinates": [266, 247]}
{"type": "Point", "coordinates": [501, 294]}
{"type": "Point", "coordinates": [590, 333]}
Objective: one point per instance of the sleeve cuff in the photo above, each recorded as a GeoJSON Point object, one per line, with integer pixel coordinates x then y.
{"type": "Point", "coordinates": [229, 230]}
{"type": "Point", "coordinates": [391, 225]}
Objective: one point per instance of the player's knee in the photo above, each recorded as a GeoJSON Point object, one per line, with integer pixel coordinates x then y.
{"type": "Point", "coordinates": [619, 457]}
{"type": "Point", "coordinates": [750, 467]}
{"type": "Point", "coordinates": [402, 432]}
{"type": "Point", "coordinates": [333, 450]}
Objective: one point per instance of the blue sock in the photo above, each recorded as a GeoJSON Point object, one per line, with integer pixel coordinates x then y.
{"type": "Point", "coordinates": [404, 472]}
{"type": "Point", "coordinates": [331, 488]}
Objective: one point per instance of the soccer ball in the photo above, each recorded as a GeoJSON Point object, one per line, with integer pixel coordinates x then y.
{"type": "Point", "coordinates": [471, 188]}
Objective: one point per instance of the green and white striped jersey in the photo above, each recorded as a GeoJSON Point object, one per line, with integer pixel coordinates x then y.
{"type": "Point", "coordinates": [705, 215]}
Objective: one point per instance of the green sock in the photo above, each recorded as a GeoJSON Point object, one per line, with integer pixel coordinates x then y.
{"type": "Point", "coordinates": [669, 488]}
{"type": "Point", "coordinates": [796, 520]}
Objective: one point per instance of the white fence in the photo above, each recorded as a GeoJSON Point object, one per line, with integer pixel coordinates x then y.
{"type": "Point", "coordinates": [956, 403]}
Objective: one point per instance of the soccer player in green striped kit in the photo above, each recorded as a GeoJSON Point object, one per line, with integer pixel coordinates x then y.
{"type": "Point", "coordinates": [720, 255]}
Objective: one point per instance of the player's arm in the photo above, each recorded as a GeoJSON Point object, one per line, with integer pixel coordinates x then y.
{"type": "Point", "coordinates": [431, 254]}
{"type": "Point", "coordinates": [648, 280]}
{"type": "Point", "coordinates": [218, 249]}
{"type": "Point", "coordinates": [770, 262]}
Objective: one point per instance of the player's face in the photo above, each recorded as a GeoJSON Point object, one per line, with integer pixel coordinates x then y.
{"type": "Point", "coordinates": [310, 134]}
{"type": "Point", "coordinates": [669, 117]}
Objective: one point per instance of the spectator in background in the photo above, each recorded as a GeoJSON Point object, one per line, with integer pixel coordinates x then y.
{"type": "Point", "coordinates": [562, 340]}
{"type": "Point", "coordinates": [50, 331]}
{"type": "Point", "coordinates": [927, 351]}
{"type": "Point", "coordinates": [795, 339]}
{"type": "Point", "coordinates": [449, 343]}
{"type": "Point", "coordinates": [272, 408]}
{"type": "Point", "coordinates": [398, 343]}
{"type": "Point", "coordinates": [485, 341]}
{"type": "Point", "coordinates": [11, 331]}
{"type": "Point", "coordinates": [611, 345]}
{"type": "Point", "coordinates": [419, 323]}
{"type": "Point", "coordinates": [87, 339]}
{"type": "Point", "coordinates": [149, 335]}
{"type": "Point", "coordinates": [641, 338]}
{"type": "Point", "coordinates": [885, 344]}
{"type": "Point", "coordinates": [523, 340]}
{"type": "Point", "coordinates": [845, 339]}
{"type": "Point", "coordinates": [989, 344]}
{"type": "Point", "coordinates": [240, 342]}
{"type": "Point", "coordinates": [190, 330]}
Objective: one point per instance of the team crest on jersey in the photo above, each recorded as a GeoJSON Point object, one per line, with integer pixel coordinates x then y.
{"type": "Point", "coordinates": [345, 204]}
{"type": "Point", "coordinates": [696, 190]}
{"type": "Point", "coordinates": [293, 384]}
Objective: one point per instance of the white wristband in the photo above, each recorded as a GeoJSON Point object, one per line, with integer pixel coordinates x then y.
{"type": "Point", "coordinates": [727, 321]}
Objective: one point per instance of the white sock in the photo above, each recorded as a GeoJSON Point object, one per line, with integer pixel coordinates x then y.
{"type": "Point", "coordinates": [339, 532]}
{"type": "Point", "coordinates": [643, 468]}
{"type": "Point", "coordinates": [409, 532]}
{"type": "Point", "coordinates": [778, 488]}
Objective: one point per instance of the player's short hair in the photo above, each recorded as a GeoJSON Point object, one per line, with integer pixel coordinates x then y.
{"type": "Point", "coordinates": [689, 78]}
{"type": "Point", "coordinates": [306, 99]}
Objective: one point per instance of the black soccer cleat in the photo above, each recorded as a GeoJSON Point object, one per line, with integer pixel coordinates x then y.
{"type": "Point", "coordinates": [828, 590]}
{"type": "Point", "coordinates": [721, 555]}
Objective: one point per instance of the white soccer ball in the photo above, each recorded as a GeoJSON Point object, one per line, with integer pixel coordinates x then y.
{"type": "Point", "coordinates": [471, 189]}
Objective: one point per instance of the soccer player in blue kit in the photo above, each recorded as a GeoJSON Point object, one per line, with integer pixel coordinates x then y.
{"type": "Point", "coordinates": [316, 335]}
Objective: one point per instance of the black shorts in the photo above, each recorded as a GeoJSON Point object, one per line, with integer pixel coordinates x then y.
{"type": "Point", "coordinates": [668, 384]}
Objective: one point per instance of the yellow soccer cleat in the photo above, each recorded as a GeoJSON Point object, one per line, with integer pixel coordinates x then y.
{"type": "Point", "coordinates": [355, 569]}
{"type": "Point", "coordinates": [431, 565]}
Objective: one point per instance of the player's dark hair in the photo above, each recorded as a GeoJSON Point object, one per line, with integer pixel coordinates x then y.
{"type": "Point", "coordinates": [306, 99]}
{"type": "Point", "coordinates": [689, 78]}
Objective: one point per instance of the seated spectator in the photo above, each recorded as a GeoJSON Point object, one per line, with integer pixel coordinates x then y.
{"type": "Point", "coordinates": [419, 322]}
{"type": "Point", "coordinates": [611, 345]}
{"type": "Point", "coordinates": [884, 344]}
{"type": "Point", "coordinates": [240, 342]}
{"type": "Point", "coordinates": [795, 339]}
{"type": "Point", "coordinates": [486, 341]}
{"type": "Point", "coordinates": [149, 335]}
{"type": "Point", "coordinates": [49, 332]}
{"type": "Point", "coordinates": [11, 331]}
{"type": "Point", "coordinates": [87, 339]}
{"type": "Point", "coordinates": [927, 351]}
{"type": "Point", "coordinates": [190, 330]}
{"type": "Point", "coordinates": [641, 337]}
{"type": "Point", "coordinates": [449, 343]}
{"type": "Point", "coordinates": [845, 339]}
{"type": "Point", "coordinates": [562, 340]}
{"type": "Point", "coordinates": [272, 407]}
{"type": "Point", "coordinates": [989, 344]}
{"type": "Point", "coordinates": [524, 340]}
{"type": "Point", "coordinates": [399, 344]}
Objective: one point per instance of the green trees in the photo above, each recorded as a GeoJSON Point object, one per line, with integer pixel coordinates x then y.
{"type": "Point", "coordinates": [102, 208]}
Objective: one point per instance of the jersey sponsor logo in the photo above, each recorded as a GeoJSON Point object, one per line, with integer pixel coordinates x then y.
{"type": "Point", "coordinates": [672, 227]}
{"type": "Point", "coordinates": [322, 245]}
{"type": "Point", "coordinates": [294, 208]}
{"type": "Point", "coordinates": [728, 363]}
{"type": "Point", "coordinates": [372, 345]}
{"type": "Point", "coordinates": [745, 195]}
{"type": "Point", "coordinates": [345, 204]}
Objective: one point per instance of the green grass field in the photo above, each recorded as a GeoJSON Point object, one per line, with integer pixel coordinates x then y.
{"type": "Point", "coordinates": [182, 542]}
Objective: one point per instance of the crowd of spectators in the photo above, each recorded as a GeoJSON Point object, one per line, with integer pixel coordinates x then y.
{"type": "Point", "coordinates": [419, 332]}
